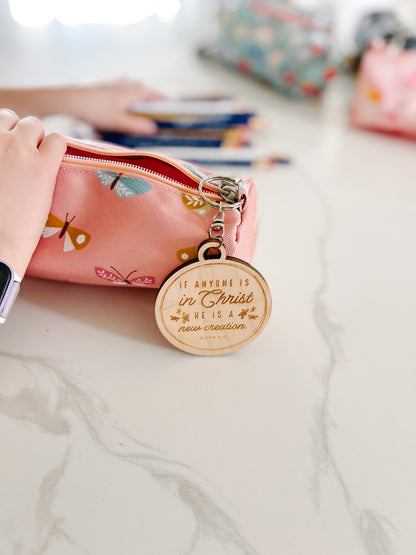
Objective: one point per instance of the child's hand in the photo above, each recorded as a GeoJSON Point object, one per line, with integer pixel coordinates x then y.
{"type": "Point", "coordinates": [107, 106]}
{"type": "Point", "coordinates": [29, 163]}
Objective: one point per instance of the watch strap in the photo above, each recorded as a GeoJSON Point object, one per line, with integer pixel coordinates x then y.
{"type": "Point", "coordinates": [11, 297]}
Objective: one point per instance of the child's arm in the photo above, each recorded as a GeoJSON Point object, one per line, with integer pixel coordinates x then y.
{"type": "Point", "coordinates": [29, 163]}
{"type": "Point", "coordinates": [104, 106]}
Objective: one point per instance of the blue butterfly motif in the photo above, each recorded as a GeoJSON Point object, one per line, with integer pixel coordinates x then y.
{"type": "Point", "coordinates": [125, 187]}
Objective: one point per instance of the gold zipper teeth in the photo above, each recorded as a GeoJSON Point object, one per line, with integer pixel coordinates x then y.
{"type": "Point", "coordinates": [178, 184]}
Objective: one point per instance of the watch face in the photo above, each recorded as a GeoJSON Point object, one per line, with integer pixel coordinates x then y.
{"type": "Point", "coordinates": [5, 279]}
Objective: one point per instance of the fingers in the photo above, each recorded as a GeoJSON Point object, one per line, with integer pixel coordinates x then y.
{"type": "Point", "coordinates": [136, 88]}
{"type": "Point", "coordinates": [30, 129]}
{"type": "Point", "coordinates": [130, 123]}
{"type": "Point", "coordinates": [142, 92]}
{"type": "Point", "coordinates": [152, 94]}
{"type": "Point", "coordinates": [8, 119]}
{"type": "Point", "coordinates": [53, 147]}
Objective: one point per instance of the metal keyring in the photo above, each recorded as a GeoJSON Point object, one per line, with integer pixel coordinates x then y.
{"type": "Point", "coordinates": [226, 190]}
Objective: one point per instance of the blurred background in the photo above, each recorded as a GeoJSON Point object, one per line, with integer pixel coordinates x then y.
{"type": "Point", "coordinates": [66, 41]}
{"type": "Point", "coordinates": [297, 58]}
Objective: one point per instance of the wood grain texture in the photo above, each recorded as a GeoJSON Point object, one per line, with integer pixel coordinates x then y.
{"type": "Point", "coordinates": [213, 306]}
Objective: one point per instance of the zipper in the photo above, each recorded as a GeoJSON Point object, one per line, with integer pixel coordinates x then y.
{"type": "Point", "coordinates": [210, 191]}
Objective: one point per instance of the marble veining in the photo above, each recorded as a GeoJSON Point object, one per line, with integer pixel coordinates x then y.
{"type": "Point", "coordinates": [371, 527]}
{"type": "Point", "coordinates": [57, 405]}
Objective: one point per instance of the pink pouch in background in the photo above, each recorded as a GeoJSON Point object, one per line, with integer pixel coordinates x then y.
{"type": "Point", "coordinates": [122, 217]}
{"type": "Point", "coordinates": [385, 93]}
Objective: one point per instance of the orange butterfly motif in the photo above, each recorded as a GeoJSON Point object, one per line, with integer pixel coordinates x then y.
{"type": "Point", "coordinates": [74, 238]}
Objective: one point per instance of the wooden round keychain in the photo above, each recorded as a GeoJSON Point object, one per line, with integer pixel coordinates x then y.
{"type": "Point", "coordinates": [213, 304]}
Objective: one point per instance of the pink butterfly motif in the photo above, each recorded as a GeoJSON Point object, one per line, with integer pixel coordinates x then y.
{"type": "Point", "coordinates": [119, 279]}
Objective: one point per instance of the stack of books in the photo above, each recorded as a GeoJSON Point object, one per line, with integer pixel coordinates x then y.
{"type": "Point", "coordinates": [207, 131]}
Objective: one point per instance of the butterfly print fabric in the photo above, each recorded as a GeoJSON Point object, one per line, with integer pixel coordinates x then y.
{"type": "Point", "coordinates": [121, 217]}
{"type": "Point", "coordinates": [125, 187]}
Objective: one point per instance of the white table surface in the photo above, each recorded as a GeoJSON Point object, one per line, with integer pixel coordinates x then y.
{"type": "Point", "coordinates": [303, 442]}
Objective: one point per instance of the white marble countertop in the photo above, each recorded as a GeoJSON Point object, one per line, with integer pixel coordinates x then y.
{"type": "Point", "coordinates": [303, 442]}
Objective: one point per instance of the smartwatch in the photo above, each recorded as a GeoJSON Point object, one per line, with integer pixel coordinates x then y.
{"type": "Point", "coordinates": [9, 288]}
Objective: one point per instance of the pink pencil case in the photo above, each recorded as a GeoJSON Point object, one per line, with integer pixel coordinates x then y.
{"type": "Point", "coordinates": [385, 92]}
{"type": "Point", "coordinates": [123, 217]}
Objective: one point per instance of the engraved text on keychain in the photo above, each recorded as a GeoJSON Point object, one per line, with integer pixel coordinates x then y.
{"type": "Point", "coordinates": [214, 304]}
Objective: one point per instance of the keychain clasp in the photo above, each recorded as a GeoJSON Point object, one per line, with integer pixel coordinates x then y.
{"type": "Point", "coordinates": [217, 227]}
{"type": "Point", "coordinates": [227, 188]}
